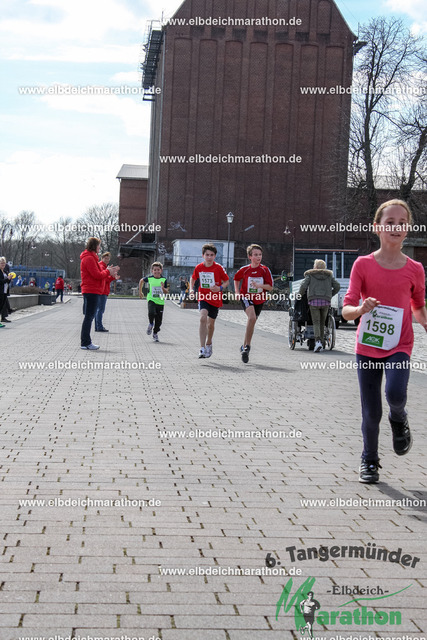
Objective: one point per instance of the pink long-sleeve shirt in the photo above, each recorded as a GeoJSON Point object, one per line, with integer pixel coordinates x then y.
{"type": "Point", "coordinates": [403, 288]}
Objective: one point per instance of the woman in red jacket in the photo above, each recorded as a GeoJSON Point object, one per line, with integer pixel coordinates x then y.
{"type": "Point", "coordinates": [93, 282]}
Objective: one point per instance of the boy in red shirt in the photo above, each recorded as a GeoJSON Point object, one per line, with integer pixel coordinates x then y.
{"type": "Point", "coordinates": [250, 284]}
{"type": "Point", "coordinates": [212, 280]}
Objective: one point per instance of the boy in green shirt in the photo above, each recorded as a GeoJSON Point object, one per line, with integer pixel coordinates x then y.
{"type": "Point", "coordinates": [158, 286]}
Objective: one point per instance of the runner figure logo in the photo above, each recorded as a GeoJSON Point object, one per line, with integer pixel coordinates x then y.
{"type": "Point", "coordinates": [308, 608]}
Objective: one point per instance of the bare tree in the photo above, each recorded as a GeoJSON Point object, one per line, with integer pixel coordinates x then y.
{"type": "Point", "coordinates": [25, 233]}
{"type": "Point", "coordinates": [412, 141]}
{"type": "Point", "coordinates": [6, 232]}
{"type": "Point", "coordinates": [102, 222]}
{"type": "Point", "coordinates": [66, 245]}
{"type": "Point", "coordinates": [387, 63]}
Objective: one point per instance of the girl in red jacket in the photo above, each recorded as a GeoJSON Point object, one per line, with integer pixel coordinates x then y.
{"type": "Point", "coordinates": [99, 326]}
{"type": "Point", "coordinates": [93, 282]}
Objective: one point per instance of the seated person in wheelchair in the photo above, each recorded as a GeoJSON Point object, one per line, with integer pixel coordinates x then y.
{"type": "Point", "coordinates": [320, 285]}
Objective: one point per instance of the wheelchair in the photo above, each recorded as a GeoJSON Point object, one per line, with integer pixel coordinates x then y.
{"type": "Point", "coordinates": [301, 326]}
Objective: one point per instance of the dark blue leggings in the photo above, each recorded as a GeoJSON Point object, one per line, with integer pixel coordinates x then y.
{"type": "Point", "coordinates": [90, 305]}
{"type": "Point", "coordinates": [397, 370]}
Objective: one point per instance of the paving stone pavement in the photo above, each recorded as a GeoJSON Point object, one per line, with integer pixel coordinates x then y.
{"type": "Point", "coordinates": [112, 565]}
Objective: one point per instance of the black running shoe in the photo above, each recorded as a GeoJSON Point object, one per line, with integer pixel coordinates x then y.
{"type": "Point", "coordinates": [368, 472]}
{"type": "Point", "coordinates": [402, 439]}
{"type": "Point", "coordinates": [245, 353]}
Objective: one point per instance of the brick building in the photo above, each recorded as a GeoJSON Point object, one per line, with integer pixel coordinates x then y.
{"type": "Point", "coordinates": [135, 248]}
{"type": "Point", "coordinates": [236, 90]}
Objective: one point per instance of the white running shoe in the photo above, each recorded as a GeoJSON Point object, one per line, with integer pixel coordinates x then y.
{"type": "Point", "coordinates": [91, 347]}
{"type": "Point", "coordinates": [318, 346]}
{"type": "Point", "coordinates": [208, 351]}
{"type": "Point", "coordinates": [149, 329]}
{"type": "Point", "coordinates": [202, 352]}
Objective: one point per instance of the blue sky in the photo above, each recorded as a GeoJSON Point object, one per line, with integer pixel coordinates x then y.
{"type": "Point", "coordinates": [60, 153]}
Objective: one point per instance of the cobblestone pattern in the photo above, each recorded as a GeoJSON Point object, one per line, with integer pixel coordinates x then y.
{"type": "Point", "coordinates": [225, 502]}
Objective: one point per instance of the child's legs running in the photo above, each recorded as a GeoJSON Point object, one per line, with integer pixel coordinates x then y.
{"type": "Point", "coordinates": [370, 379]}
{"type": "Point", "coordinates": [151, 311]}
{"type": "Point", "coordinates": [250, 325]}
{"type": "Point", "coordinates": [211, 328]}
{"type": "Point", "coordinates": [158, 317]}
{"type": "Point", "coordinates": [396, 385]}
{"type": "Point", "coordinates": [203, 328]}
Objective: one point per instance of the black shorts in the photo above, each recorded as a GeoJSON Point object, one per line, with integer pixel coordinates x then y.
{"type": "Point", "coordinates": [248, 303]}
{"type": "Point", "coordinates": [212, 311]}
{"type": "Point", "coordinates": [309, 617]}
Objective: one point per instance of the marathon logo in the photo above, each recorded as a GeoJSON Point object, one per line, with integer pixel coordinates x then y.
{"type": "Point", "coordinates": [308, 611]}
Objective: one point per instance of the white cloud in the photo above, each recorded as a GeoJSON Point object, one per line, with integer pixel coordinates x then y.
{"type": "Point", "coordinates": [83, 20]}
{"type": "Point", "coordinates": [58, 185]}
{"type": "Point", "coordinates": [78, 31]}
{"type": "Point", "coordinates": [415, 9]}
{"type": "Point", "coordinates": [76, 144]}
{"type": "Point", "coordinates": [127, 77]}
{"type": "Point", "coordinates": [87, 31]}
{"type": "Point", "coordinates": [78, 54]}
{"type": "Point", "coordinates": [127, 109]}
{"type": "Point", "coordinates": [167, 7]}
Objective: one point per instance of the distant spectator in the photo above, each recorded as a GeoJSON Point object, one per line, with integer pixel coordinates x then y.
{"type": "Point", "coordinates": [321, 286]}
{"type": "Point", "coordinates": [59, 287]}
{"type": "Point", "coordinates": [4, 287]}
{"type": "Point", "coordinates": [7, 310]}
{"type": "Point", "coordinates": [184, 287]}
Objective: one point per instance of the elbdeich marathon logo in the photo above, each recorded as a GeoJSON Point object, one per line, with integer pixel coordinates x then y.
{"type": "Point", "coordinates": [359, 604]}
{"type": "Point", "coordinates": [309, 612]}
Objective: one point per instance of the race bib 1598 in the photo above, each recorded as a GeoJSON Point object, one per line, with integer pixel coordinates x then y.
{"type": "Point", "coordinates": [381, 327]}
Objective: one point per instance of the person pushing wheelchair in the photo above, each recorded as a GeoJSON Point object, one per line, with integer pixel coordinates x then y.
{"type": "Point", "coordinates": [321, 286]}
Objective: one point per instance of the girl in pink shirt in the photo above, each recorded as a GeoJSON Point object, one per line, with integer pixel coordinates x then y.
{"type": "Point", "coordinates": [392, 287]}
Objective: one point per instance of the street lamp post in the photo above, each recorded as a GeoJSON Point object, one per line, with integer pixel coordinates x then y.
{"type": "Point", "coordinates": [230, 217]}
{"type": "Point", "coordinates": [288, 231]}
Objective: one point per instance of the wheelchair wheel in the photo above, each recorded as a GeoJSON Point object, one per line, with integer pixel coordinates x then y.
{"type": "Point", "coordinates": [292, 335]}
{"type": "Point", "coordinates": [331, 332]}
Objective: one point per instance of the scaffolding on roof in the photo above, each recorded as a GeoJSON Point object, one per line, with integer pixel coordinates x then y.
{"type": "Point", "coordinates": [152, 47]}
